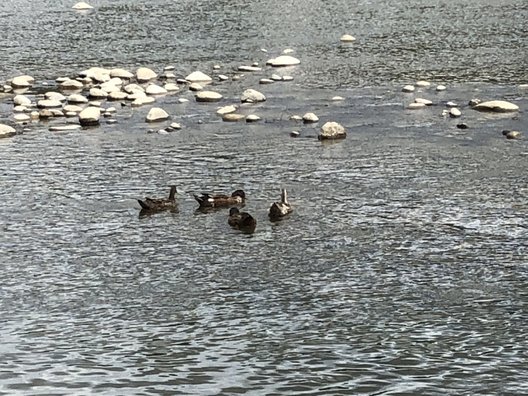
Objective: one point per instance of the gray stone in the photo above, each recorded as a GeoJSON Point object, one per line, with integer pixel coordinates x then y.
{"type": "Point", "coordinates": [332, 130]}
{"type": "Point", "coordinates": [157, 114]}
{"type": "Point", "coordinates": [208, 96]}
{"type": "Point", "coordinates": [6, 131]}
{"type": "Point", "coordinates": [144, 74]}
{"type": "Point", "coordinates": [497, 106]}
{"type": "Point", "coordinates": [252, 96]}
{"type": "Point", "coordinates": [90, 116]}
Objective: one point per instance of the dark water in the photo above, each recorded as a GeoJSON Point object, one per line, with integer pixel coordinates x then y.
{"type": "Point", "coordinates": [402, 271]}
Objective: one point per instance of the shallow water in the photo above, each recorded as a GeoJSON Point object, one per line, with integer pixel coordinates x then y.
{"type": "Point", "coordinates": [402, 271]}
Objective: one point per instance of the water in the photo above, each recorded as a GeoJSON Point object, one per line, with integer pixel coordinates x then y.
{"type": "Point", "coordinates": [402, 271]}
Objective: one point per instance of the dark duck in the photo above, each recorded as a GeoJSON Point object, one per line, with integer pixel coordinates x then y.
{"type": "Point", "coordinates": [280, 209]}
{"type": "Point", "coordinates": [242, 221]}
{"type": "Point", "coordinates": [206, 200]}
{"type": "Point", "coordinates": [152, 205]}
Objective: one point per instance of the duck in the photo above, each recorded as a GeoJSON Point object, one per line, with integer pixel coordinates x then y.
{"type": "Point", "coordinates": [280, 209]}
{"type": "Point", "coordinates": [159, 204]}
{"type": "Point", "coordinates": [242, 221]}
{"type": "Point", "coordinates": [238, 197]}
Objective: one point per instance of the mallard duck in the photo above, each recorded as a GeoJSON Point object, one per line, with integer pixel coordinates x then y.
{"type": "Point", "coordinates": [159, 204]}
{"type": "Point", "coordinates": [242, 221]}
{"type": "Point", "coordinates": [205, 200]}
{"type": "Point", "coordinates": [280, 209]}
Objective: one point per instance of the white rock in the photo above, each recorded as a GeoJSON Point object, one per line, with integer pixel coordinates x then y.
{"type": "Point", "coordinates": [72, 108]}
{"type": "Point", "coordinates": [310, 117]}
{"type": "Point", "coordinates": [252, 96]}
{"type": "Point", "coordinates": [22, 82]}
{"type": "Point", "coordinates": [55, 96]}
{"type": "Point", "coordinates": [408, 88]}
{"type": "Point", "coordinates": [6, 131]}
{"type": "Point", "coordinates": [142, 100]}
{"type": "Point", "coordinates": [154, 89]}
{"type": "Point", "coordinates": [223, 77]}
{"type": "Point", "coordinates": [133, 88]}
{"type": "Point", "coordinates": [249, 68]}
{"type": "Point", "coordinates": [276, 77]}
{"type": "Point", "coordinates": [111, 110]}
{"type": "Point", "coordinates": [416, 106]}
{"type": "Point", "coordinates": [170, 67]}
{"type": "Point", "coordinates": [70, 84]}
{"type": "Point", "coordinates": [62, 128]}
{"type": "Point", "coordinates": [266, 81]}
{"type": "Point", "coordinates": [175, 125]}
{"type": "Point", "coordinates": [118, 95]}
{"type": "Point", "coordinates": [114, 84]}
{"type": "Point", "coordinates": [296, 118]}
{"type": "Point", "coordinates": [422, 83]}
{"type": "Point", "coordinates": [451, 104]}
{"type": "Point", "coordinates": [157, 114]}
{"type": "Point", "coordinates": [233, 117]}
{"type": "Point", "coordinates": [82, 6]}
{"type": "Point", "coordinates": [48, 103]}
{"type": "Point", "coordinates": [144, 74]}
{"type": "Point", "coordinates": [121, 73]}
{"type": "Point", "coordinates": [98, 93]}
{"type": "Point", "coordinates": [283, 60]}
{"type": "Point", "coordinates": [90, 116]}
{"type": "Point", "coordinates": [497, 106]}
{"type": "Point", "coordinates": [288, 51]}
{"type": "Point", "coordinates": [207, 96]}
{"type": "Point", "coordinates": [21, 100]}
{"type": "Point", "coordinates": [252, 118]}
{"type": "Point", "coordinates": [183, 100]}
{"type": "Point", "coordinates": [21, 117]}
{"type": "Point", "coordinates": [287, 78]}
{"type": "Point", "coordinates": [195, 86]}
{"type": "Point", "coordinates": [441, 87]}
{"type": "Point", "coordinates": [171, 87]}
{"type": "Point", "coordinates": [337, 98]}
{"type": "Point", "coordinates": [332, 130]}
{"type": "Point", "coordinates": [198, 76]}
{"type": "Point", "coordinates": [34, 115]}
{"type": "Point", "coordinates": [347, 38]}
{"type": "Point", "coordinates": [454, 112]}
{"type": "Point", "coordinates": [226, 110]}
{"type": "Point", "coordinates": [20, 109]}
{"type": "Point", "coordinates": [426, 102]}
{"type": "Point", "coordinates": [98, 74]}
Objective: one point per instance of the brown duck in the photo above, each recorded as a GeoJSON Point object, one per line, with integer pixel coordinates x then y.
{"type": "Point", "coordinates": [280, 209]}
{"type": "Point", "coordinates": [159, 204]}
{"type": "Point", "coordinates": [205, 200]}
{"type": "Point", "coordinates": [242, 221]}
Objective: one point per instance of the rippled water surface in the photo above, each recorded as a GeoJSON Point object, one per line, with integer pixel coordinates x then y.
{"type": "Point", "coordinates": [403, 269]}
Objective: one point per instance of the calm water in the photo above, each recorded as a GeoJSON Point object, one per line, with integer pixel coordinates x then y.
{"type": "Point", "coordinates": [402, 271]}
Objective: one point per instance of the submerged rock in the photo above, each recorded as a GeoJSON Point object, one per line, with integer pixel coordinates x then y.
{"type": "Point", "coordinates": [332, 130]}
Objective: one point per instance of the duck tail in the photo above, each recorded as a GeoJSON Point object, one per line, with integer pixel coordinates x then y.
{"type": "Point", "coordinates": [199, 199]}
{"type": "Point", "coordinates": [172, 193]}
{"type": "Point", "coordinates": [284, 196]}
{"type": "Point", "coordinates": [143, 204]}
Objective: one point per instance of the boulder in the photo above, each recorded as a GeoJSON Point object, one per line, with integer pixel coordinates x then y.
{"type": "Point", "coordinates": [90, 116]}
{"type": "Point", "coordinates": [48, 103]}
{"type": "Point", "coordinates": [22, 82]}
{"type": "Point", "coordinates": [6, 131]}
{"type": "Point", "coordinates": [97, 93]}
{"type": "Point", "coordinates": [233, 117]}
{"type": "Point", "coordinates": [207, 96]}
{"type": "Point", "coordinates": [283, 60]}
{"type": "Point", "coordinates": [154, 89]}
{"type": "Point", "coordinates": [332, 130]}
{"type": "Point", "coordinates": [252, 96]}
{"type": "Point", "coordinates": [157, 114]}
{"type": "Point", "coordinates": [97, 74]}
{"type": "Point", "coordinates": [55, 96]}
{"type": "Point", "coordinates": [226, 110]}
{"type": "Point", "coordinates": [144, 74]}
{"type": "Point", "coordinates": [121, 73]}
{"type": "Point", "coordinates": [198, 76]}
{"type": "Point", "coordinates": [21, 100]}
{"type": "Point", "coordinates": [77, 98]}
{"type": "Point", "coordinates": [309, 118]}
{"type": "Point", "coordinates": [70, 84]}
{"type": "Point", "coordinates": [497, 106]}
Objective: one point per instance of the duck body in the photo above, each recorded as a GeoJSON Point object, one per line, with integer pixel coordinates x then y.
{"type": "Point", "coordinates": [159, 204]}
{"type": "Point", "coordinates": [206, 200]}
{"type": "Point", "coordinates": [242, 221]}
{"type": "Point", "coordinates": [280, 209]}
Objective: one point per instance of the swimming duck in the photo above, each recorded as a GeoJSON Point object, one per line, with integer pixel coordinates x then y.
{"type": "Point", "coordinates": [205, 200]}
{"type": "Point", "coordinates": [280, 209]}
{"type": "Point", "coordinates": [242, 221]}
{"type": "Point", "coordinates": [159, 204]}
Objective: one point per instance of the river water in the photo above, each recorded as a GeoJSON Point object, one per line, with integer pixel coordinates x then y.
{"type": "Point", "coordinates": [402, 271]}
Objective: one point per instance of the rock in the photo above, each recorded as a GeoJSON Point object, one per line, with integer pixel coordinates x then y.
{"type": "Point", "coordinates": [497, 106]}
{"type": "Point", "coordinates": [511, 134]}
{"type": "Point", "coordinates": [154, 89]}
{"type": "Point", "coordinates": [454, 112]}
{"type": "Point", "coordinates": [208, 96]}
{"type": "Point", "coordinates": [252, 118]}
{"type": "Point", "coordinates": [223, 77]}
{"type": "Point", "coordinates": [426, 102]}
{"type": "Point", "coordinates": [21, 117]}
{"type": "Point", "coordinates": [310, 118]}
{"type": "Point", "coordinates": [252, 96]}
{"type": "Point", "coordinates": [142, 100]}
{"type": "Point", "coordinates": [283, 60]}
{"type": "Point", "coordinates": [462, 126]}
{"type": "Point", "coordinates": [287, 78]}
{"type": "Point", "coordinates": [21, 100]}
{"type": "Point", "coordinates": [249, 68]}
{"type": "Point", "coordinates": [337, 98]}
{"type": "Point", "coordinates": [144, 74]}
{"type": "Point", "coordinates": [55, 96]}
{"type": "Point", "coordinates": [296, 118]}
{"type": "Point", "coordinates": [90, 116]}
{"type": "Point", "coordinates": [451, 104]}
{"type": "Point", "coordinates": [171, 87]}
{"type": "Point", "coordinates": [276, 77]}
{"type": "Point", "coordinates": [133, 88]}
{"type": "Point", "coordinates": [422, 84]}
{"type": "Point", "coordinates": [441, 88]}
{"type": "Point", "coordinates": [175, 125]}
{"type": "Point", "coordinates": [156, 114]}
{"type": "Point", "coordinates": [288, 51]}
{"type": "Point", "coordinates": [195, 87]}
{"type": "Point", "coordinates": [70, 84]}
{"type": "Point", "coordinates": [347, 38]}
{"type": "Point", "coordinates": [408, 88]}
{"type": "Point", "coordinates": [198, 76]}
{"type": "Point", "coordinates": [22, 82]}
{"type": "Point", "coordinates": [20, 109]}
{"type": "Point", "coordinates": [473, 102]}
{"type": "Point", "coordinates": [97, 74]}
{"type": "Point", "coordinates": [82, 6]}
{"type": "Point", "coordinates": [48, 103]}
{"type": "Point", "coordinates": [56, 112]}
{"type": "Point", "coordinates": [97, 93]}
{"type": "Point", "coordinates": [113, 85]}
{"type": "Point", "coordinates": [34, 115]}
{"type": "Point", "coordinates": [45, 113]}
{"type": "Point", "coordinates": [117, 95]}
{"type": "Point", "coordinates": [217, 67]}
{"type": "Point", "coordinates": [6, 131]}
{"type": "Point", "coordinates": [295, 134]}
{"type": "Point", "coordinates": [183, 100]}
{"type": "Point", "coordinates": [233, 117]}
{"type": "Point", "coordinates": [332, 130]}
{"type": "Point", "coordinates": [62, 128]}
{"type": "Point", "coordinates": [266, 81]}
{"type": "Point", "coordinates": [121, 73]}
{"type": "Point", "coordinates": [416, 106]}
{"type": "Point", "coordinates": [72, 109]}
{"type": "Point", "coordinates": [226, 110]}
